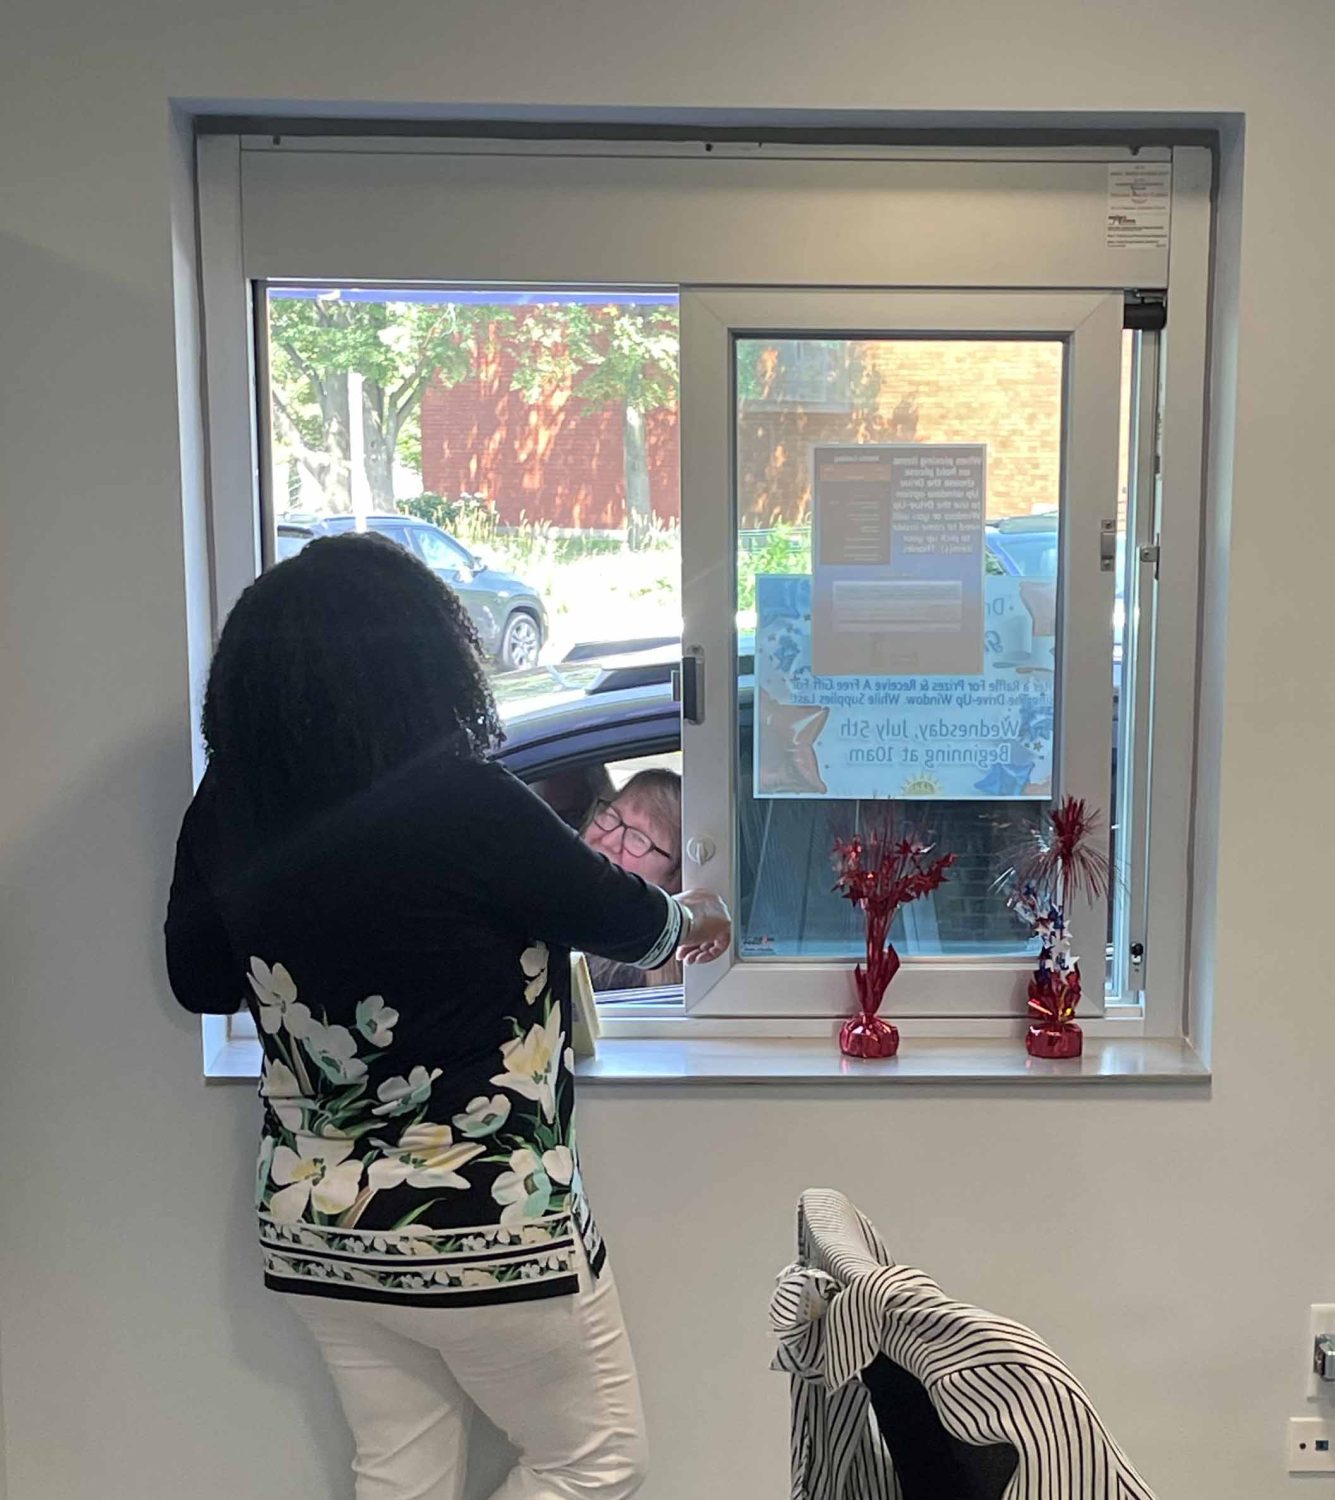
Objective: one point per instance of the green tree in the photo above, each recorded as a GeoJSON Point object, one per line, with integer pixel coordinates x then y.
{"type": "Point", "coordinates": [786, 549]}
{"type": "Point", "coordinates": [807, 371]}
{"type": "Point", "coordinates": [309, 348]}
{"type": "Point", "coordinates": [614, 353]}
{"type": "Point", "coordinates": [397, 348]}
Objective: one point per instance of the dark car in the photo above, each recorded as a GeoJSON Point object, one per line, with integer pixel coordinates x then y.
{"type": "Point", "coordinates": [510, 618]}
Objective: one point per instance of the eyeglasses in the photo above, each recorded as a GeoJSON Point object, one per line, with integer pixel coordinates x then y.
{"type": "Point", "coordinates": [634, 840]}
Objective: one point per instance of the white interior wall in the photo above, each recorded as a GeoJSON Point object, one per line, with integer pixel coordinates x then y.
{"type": "Point", "coordinates": [1169, 1242]}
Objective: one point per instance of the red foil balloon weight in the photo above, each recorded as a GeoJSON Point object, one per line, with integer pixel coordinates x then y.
{"type": "Point", "coordinates": [867, 1034]}
{"type": "Point", "coordinates": [1049, 1040]}
{"type": "Point", "coordinates": [1053, 997]}
{"type": "Point", "coordinates": [879, 876]}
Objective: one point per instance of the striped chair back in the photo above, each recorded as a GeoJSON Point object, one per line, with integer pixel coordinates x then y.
{"type": "Point", "coordinates": [845, 1309]}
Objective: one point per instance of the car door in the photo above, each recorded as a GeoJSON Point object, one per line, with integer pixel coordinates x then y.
{"type": "Point", "coordinates": [396, 534]}
{"type": "Point", "coordinates": [446, 558]}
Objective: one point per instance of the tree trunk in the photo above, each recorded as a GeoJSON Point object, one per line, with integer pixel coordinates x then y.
{"type": "Point", "coordinates": [639, 510]}
{"type": "Point", "coordinates": [333, 393]}
{"type": "Point", "coordinates": [379, 447]}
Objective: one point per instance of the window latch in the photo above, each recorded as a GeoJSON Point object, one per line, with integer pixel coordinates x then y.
{"type": "Point", "coordinates": [1323, 1357]}
{"type": "Point", "coordinates": [1107, 545]}
{"type": "Point", "coordinates": [693, 686]}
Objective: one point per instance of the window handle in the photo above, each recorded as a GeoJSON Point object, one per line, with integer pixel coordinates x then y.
{"type": "Point", "coordinates": [693, 686]}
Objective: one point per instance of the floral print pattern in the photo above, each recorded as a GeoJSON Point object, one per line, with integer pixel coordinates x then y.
{"type": "Point", "coordinates": [376, 1021]}
{"type": "Point", "coordinates": [333, 1049]}
{"type": "Point", "coordinates": [492, 1277]}
{"type": "Point", "coordinates": [357, 1172]}
{"type": "Point", "coordinates": [399, 1096]}
{"type": "Point", "coordinates": [533, 961]}
{"type": "Point", "coordinates": [414, 1240]}
{"type": "Point", "coordinates": [277, 996]}
{"type": "Point", "coordinates": [425, 1156]}
{"type": "Point", "coordinates": [315, 1174]}
{"type": "Point", "coordinates": [483, 1116]}
{"type": "Point", "coordinates": [531, 1063]}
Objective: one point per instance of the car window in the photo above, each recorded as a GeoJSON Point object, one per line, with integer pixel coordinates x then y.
{"type": "Point", "coordinates": [437, 551]}
{"type": "Point", "coordinates": [621, 771]}
{"type": "Point", "coordinates": [396, 534]}
{"type": "Point", "coordinates": [1034, 553]}
{"type": "Point", "coordinates": [576, 794]}
{"type": "Point", "coordinates": [288, 544]}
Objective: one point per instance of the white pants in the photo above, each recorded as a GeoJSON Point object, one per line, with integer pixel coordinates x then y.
{"type": "Point", "coordinates": [557, 1376]}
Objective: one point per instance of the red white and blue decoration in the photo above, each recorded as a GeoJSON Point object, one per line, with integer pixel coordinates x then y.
{"type": "Point", "coordinates": [1064, 863]}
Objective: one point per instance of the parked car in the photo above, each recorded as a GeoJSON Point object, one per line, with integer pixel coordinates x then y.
{"type": "Point", "coordinates": [570, 716]}
{"type": "Point", "coordinates": [510, 617]}
{"type": "Point", "coordinates": [1026, 547]}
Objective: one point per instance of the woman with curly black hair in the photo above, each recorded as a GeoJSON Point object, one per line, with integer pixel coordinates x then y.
{"type": "Point", "coordinates": [397, 911]}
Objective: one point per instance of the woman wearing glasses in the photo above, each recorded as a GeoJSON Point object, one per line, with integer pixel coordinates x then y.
{"type": "Point", "coordinates": [640, 830]}
{"type": "Point", "coordinates": [397, 912]}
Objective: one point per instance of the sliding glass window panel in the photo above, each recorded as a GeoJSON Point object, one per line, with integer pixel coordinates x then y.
{"type": "Point", "coordinates": [922, 491]}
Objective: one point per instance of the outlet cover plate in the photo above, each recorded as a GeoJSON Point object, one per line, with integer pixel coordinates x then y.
{"type": "Point", "coordinates": [1311, 1445]}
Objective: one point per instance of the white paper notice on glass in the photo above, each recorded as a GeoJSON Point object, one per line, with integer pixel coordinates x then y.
{"type": "Point", "coordinates": [1139, 200]}
{"type": "Point", "coordinates": [897, 577]}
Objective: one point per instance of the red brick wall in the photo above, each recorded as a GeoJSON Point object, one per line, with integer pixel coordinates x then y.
{"type": "Point", "coordinates": [1007, 395]}
{"type": "Point", "coordinates": [559, 460]}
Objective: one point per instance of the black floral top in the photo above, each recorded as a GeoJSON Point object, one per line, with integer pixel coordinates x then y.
{"type": "Point", "coordinates": [406, 959]}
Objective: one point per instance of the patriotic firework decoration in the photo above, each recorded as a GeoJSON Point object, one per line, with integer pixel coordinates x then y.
{"type": "Point", "coordinates": [1062, 865]}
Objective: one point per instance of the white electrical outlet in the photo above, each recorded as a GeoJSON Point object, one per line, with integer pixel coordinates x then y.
{"type": "Point", "coordinates": [1311, 1445]}
{"type": "Point", "coordinates": [1322, 1321]}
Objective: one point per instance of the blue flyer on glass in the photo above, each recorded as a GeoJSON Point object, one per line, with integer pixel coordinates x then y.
{"type": "Point", "coordinates": [970, 737]}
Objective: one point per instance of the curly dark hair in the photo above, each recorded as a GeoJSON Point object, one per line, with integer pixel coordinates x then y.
{"type": "Point", "coordinates": [337, 666]}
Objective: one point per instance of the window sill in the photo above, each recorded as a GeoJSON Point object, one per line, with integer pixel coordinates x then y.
{"type": "Point", "coordinates": [922, 1060]}
{"type": "Point", "coordinates": [794, 1059]}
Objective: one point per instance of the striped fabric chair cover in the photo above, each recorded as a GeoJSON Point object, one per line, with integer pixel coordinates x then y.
{"type": "Point", "coordinates": [990, 1380]}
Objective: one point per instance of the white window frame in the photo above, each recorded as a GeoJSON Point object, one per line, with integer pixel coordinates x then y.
{"type": "Point", "coordinates": [629, 213]}
{"type": "Point", "coordinates": [1090, 326]}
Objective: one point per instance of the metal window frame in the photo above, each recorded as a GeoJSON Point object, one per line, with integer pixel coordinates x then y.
{"type": "Point", "coordinates": [1140, 590]}
{"type": "Point", "coordinates": [1183, 362]}
{"type": "Point", "coordinates": [1090, 326]}
{"type": "Point", "coordinates": [1171, 636]}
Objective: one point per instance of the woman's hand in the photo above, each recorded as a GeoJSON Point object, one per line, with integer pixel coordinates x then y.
{"type": "Point", "coordinates": [711, 927]}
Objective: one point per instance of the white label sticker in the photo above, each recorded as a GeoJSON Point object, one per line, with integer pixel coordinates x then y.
{"type": "Point", "coordinates": [1139, 198]}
